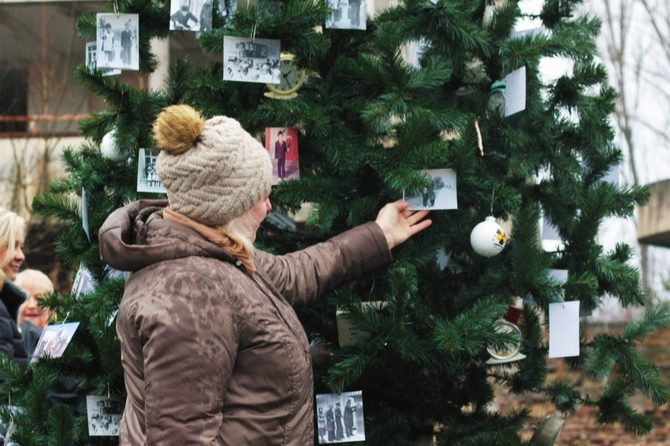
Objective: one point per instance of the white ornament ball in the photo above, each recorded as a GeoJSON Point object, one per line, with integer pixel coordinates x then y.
{"type": "Point", "coordinates": [488, 238]}
{"type": "Point", "coordinates": [110, 149]}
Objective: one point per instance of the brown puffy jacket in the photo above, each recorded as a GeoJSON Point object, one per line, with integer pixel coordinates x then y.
{"type": "Point", "coordinates": [211, 354]}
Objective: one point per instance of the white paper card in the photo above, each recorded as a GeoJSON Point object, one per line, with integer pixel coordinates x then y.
{"type": "Point", "coordinates": [439, 194]}
{"type": "Point", "coordinates": [559, 275]}
{"type": "Point", "coordinates": [564, 329]}
{"type": "Point", "coordinates": [104, 415]}
{"type": "Point", "coordinates": [551, 240]}
{"type": "Point", "coordinates": [515, 84]}
{"type": "Point", "coordinates": [84, 213]}
{"type": "Point", "coordinates": [539, 30]}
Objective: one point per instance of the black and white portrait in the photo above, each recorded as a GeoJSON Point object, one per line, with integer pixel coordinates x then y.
{"type": "Point", "coordinates": [438, 193]}
{"type": "Point", "coordinates": [116, 42]}
{"type": "Point", "coordinates": [92, 60]}
{"type": "Point", "coordinates": [339, 417]}
{"type": "Point", "coordinates": [227, 9]}
{"type": "Point", "coordinates": [191, 15]}
{"type": "Point", "coordinates": [347, 14]}
{"type": "Point", "coordinates": [7, 428]}
{"type": "Point", "coordinates": [84, 283]}
{"type": "Point", "coordinates": [54, 340]}
{"type": "Point", "coordinates": [251, 60]}
{"type": "Point", "coordinates": [147, 177]}
{"type": "Point", "coordinates": [104, 415]}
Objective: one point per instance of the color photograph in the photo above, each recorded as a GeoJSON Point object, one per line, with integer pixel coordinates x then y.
{"type": "Point", "coordinates": [282, 144]}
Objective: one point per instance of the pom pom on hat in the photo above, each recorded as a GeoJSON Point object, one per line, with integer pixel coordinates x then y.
{"type": "Point", "coordinates": [213, 170]}
{"type": "Point", "coordinates": [177, 128]}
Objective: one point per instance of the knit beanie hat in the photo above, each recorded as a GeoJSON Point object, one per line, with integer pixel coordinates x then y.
{"type": "Point", "coordinates": [213, 169]}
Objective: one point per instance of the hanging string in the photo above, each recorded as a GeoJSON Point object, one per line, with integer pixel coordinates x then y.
{"type": "Point", "coordinates": [253, 29]}
{"type": "Point", "coordinates": [493, 194]}
{"type": "Point", "coordinates": [480, 144]}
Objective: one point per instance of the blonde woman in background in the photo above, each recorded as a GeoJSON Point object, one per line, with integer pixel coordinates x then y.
{"type": "Point", "coordinates": [33, 318]}
{"type": "Point", "coordinates": [37, 285]}
{"type": "Point", "coordinates": [11, 297]}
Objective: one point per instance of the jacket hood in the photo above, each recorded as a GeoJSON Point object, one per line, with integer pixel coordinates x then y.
{"type": "Point", "coordinates": [12, 296]}
{"type": "Point", "coordinates": [136, 236]}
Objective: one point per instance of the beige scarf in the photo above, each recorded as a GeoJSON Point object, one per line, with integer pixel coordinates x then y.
{"type": "Point", "coordinates": [226, 241]}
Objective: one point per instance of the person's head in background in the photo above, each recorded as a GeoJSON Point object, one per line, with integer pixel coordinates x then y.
{"type": "Point", "coordinates": [36, 284]}
{"type": "Point", "coordinates": [11, 244]}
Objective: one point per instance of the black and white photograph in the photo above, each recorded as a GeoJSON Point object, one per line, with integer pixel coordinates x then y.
{"type": "Point", "coordinates": [251, 60]}
{"type": "Point", "coordinates": [227, 9]}
{"type": "Point", "coordinates": [92, 60]}
{"type": "Point", "coordinates": [339, 417]}
{"type": "Point", "coordinates": [147, 177]}
{"type": "Point", "coordinates": [347, 14]}
{"type": "Point", "coordinates": [117, 44]}
{"type": "Point", "coordinates": [104, 415]}
{"type": "Point", "coordinates": [191, 15]}
{"type": "Point", "coordinates": [54, 340]}
{"type": "Point", "coordinates": [7, 429]}
{"type": "Point", "coordinates": [84, 283]}
{"type": "Point", "coordinates": [440, 193]}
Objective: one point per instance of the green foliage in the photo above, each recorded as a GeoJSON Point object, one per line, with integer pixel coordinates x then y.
{"type": "Point", "coordinates": [369, 121]}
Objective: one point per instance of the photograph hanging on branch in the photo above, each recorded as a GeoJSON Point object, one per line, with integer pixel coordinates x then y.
{"type": "Point", "coordinates": [340, 417]}
{"type": "Point", "coordinates": [54, 340]}
{"type": "Point", "coordinates": [7, 429]}
{"type": "Point", "coordinates": [347, 14]}
{"type": "Point", "coordinates": [227, 8]}
{"type": "Point", "coordinates": [189, 15]}
{"type": "Point", "coordinates": [84, 283]}
{"type": "Point", "coordinates": [147, 177]}
{"type": "Point", "coordinates": [104, 415]}
{"type": "Point", "coordinates": [92, 60]}
{"type": "Point", "coordinates": [439, 193]}
{"type": "Point", "coordinates": [282, 145]}
{"type": "Point", "coordinates": [251, 60]}
{"type": "Point", "coordinates": [117, 41]}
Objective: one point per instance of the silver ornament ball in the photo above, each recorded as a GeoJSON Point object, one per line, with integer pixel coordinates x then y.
{"type": "Point", "coordinates": [109, 148]}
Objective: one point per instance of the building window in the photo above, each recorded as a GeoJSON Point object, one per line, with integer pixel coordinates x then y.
{"type": "Point", "coordinates": [13, 99]}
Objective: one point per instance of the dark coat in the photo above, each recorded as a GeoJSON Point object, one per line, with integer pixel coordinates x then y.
{"type": "Point", "coordinates": [212, 354]}
{"type": "Point", "coordinates": [281, 147]}
{"type": "Point", "coordinates": [11, 344]}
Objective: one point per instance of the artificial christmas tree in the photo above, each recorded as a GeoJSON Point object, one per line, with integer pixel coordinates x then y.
{"type": "Point", "coordinates": [370, 122]}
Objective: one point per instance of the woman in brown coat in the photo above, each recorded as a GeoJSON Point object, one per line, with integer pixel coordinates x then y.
{"type": "Point", "coordinates": [212, 350]}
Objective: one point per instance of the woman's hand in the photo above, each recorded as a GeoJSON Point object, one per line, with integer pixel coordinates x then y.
{"type": "Point", "coordinates": [398, 224]}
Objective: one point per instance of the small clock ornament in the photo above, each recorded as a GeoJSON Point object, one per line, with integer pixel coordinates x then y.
{"type": "Point", "coordinates": [487, 238]}
{"type": "Point", "coordinates": [292, 77]}
{"type": "Point", "coordinates": [507, 325]}
{"type": "Point", "coordinates": [109, 148]}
